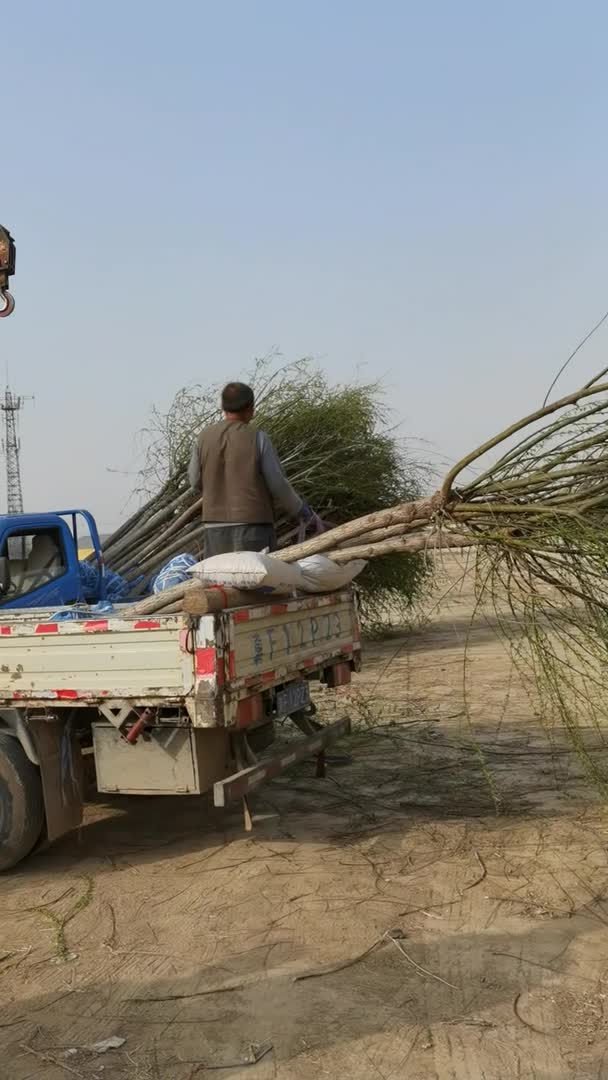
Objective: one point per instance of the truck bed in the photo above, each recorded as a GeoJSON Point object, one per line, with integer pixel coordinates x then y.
{"type": "Point", "coordinates": [206, 665]}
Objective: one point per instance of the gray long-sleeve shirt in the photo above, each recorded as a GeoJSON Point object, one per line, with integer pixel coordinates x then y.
{"type": "Point", "coordinates": [278, 485]}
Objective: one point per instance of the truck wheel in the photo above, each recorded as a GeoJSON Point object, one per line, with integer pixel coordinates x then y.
{"type": "Point", "coordinates": [21, 803]}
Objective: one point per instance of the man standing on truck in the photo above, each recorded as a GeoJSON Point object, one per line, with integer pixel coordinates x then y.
{"type": "Point", "coordinates": [236, 469]}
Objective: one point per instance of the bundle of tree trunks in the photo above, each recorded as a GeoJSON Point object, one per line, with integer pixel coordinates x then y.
{"type": "Point", "coordinates": [366, 538]}
{"type": "Point", "coordinates": [544, 499]}
{"type": "Point", "coordinates": [169, 524]}
{"type": "Point", "coordinates": [194, 598]}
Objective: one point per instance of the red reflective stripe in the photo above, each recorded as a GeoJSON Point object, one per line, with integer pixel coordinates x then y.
{"type": "Point", "coordinates": [267, 676]}
{"type": "Point", "coordinates": [47, 628]}
{"type": "Point", "coordinates": [249, 710]}
{"type": "Point", "coordinates": [205, 661]}
{"type": "Point", "coordinates": [231, 664]}
{"type": "Point", "coordinates": [95, 627]}
{"type": "Point", "coordinates": [66, 695]}
{"type": "Point", "coordinates": [146, 625]}
{"type": "Point", "coordinates": [241, 616]}
{"type": "Point", "coordinates": [6, 630]}
{"type": "Point", "coordinates": [278, 609]}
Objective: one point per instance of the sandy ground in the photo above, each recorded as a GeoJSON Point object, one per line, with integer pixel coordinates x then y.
{"type": "Point", "coordinates": [446, 940]}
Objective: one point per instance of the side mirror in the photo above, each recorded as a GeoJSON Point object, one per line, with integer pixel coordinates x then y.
{"type": "Point", "coordinates": [5, 576]}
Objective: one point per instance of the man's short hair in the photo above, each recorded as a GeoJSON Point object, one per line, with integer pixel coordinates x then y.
{"type": "Point", "coordinates": [237, 397]}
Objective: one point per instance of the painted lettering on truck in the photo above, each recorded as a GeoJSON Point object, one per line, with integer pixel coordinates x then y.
{"type": "Point", "coordinates": [294, 635]}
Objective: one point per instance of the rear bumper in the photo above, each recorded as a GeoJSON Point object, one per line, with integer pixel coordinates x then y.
{"type": "Point", "coordinates": [241, 783]}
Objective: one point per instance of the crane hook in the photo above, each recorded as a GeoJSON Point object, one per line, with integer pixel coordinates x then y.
{"type": "Point", "coordinates": [7, 269]}
{"type": "Point", "coordinates": [9, 303]}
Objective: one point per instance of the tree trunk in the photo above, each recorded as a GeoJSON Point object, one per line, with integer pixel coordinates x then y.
{"type": "Point", "coordinates": [403, 545]}
{"type": "Point", "coordinates": [404, 514]}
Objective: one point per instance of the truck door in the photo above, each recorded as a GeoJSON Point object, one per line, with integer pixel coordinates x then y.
{"type": "Point", "coordinates": [36, 567]}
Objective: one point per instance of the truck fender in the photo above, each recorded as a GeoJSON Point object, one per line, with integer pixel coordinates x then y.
{"type": "Point", "coordinates": [50, 745]}
{"type": "Point", "coordinates": [12, 723]}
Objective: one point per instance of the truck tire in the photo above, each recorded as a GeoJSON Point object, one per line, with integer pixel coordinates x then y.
{"type": "Point", "coordinates": [21, 803]}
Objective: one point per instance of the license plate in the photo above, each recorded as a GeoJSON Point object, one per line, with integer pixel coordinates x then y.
{"type": "Point", "coordinates": [294, 697]}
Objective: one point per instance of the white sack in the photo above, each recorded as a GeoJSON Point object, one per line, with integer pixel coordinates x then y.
{"type": "Point", "coordinates": [249, 570]}
{"type": "Point", "coordinates": [320, 574]}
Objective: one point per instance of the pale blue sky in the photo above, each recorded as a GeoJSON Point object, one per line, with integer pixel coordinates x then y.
{"type": "Point", "coordinates": [420, 189]}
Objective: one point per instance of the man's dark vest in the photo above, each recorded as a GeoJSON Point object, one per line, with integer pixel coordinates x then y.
{"type": "Point", "coordinates": [233, 486]}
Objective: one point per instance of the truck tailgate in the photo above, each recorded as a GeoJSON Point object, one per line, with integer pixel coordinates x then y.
{"type": "Point", "coordinates": [271, 643]}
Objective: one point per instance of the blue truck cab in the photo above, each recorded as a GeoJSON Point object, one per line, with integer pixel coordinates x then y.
{"type": "Point", "coordinates": [39, 564]}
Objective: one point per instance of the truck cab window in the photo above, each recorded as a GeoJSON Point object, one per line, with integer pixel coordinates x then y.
{"type": "Point", "coordinates": [34, 559]}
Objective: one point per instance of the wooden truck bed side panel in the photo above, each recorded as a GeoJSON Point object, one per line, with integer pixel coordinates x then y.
{"type": "Point", "coordinates": [97, 660]}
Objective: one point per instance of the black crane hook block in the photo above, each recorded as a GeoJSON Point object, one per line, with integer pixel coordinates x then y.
{"type": "Point", "coordinates": [7, 269]}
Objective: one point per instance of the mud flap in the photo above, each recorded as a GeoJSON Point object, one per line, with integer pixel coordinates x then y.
{"type": "Point", "coordinates": [62, 773]}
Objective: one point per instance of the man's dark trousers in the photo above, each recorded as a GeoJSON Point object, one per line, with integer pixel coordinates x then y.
{"type": "Point", "coordinates": [219, 539]}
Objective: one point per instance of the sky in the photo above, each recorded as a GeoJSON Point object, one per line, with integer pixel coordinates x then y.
{"type": "Point", "coordinates": [402, 190]}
